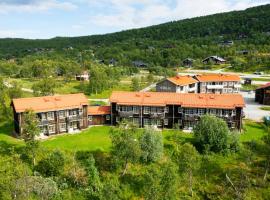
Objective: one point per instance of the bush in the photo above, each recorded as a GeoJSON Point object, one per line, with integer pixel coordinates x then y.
{"type": "Point", "coordinates": [52, 165]}
{"type": "Point", "coordinates": [211, 134]}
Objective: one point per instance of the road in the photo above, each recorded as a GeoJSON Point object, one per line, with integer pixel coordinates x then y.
{"type": "Point", "coordinates": [252, 110]}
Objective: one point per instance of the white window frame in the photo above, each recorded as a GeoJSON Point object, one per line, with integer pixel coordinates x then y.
{"type": "Point", "coordinates": [90, 118]}
{"type": "Point", "coordinates": [50, 115]}
{"type": "Point", "coordinates": [63, 128]}
{"type": "Point", "coordinates": [201, 111]}
{"type": "Point", "coordinates": [212, 111]}
{"type": "Point", "coordinates": [146, 110]}
{"type": "Point", "coordinates": [230, 83]}
{"type": "Point", "coordinates": [136, 109]}
{"type": "Point", "coordinates": [108, 117]}
{"type": "Point", "coordinates": [53, 130]}
{"type": "Point", "coordinates": [204, 84]}
{"type": "Point", "coordinates": [166, 109]}
{"type": "Point", "coordinates": [229, 90]}
{"type": "Point", "coordinates": [43, 116]}
{"type": "Point", "coordinates": [62, 114]}
{"type": "Point", "coordinates": [166, 122]}
{"type": "Point", "coordinates": [225, 83]}
{"type": "Point", "coordinates": [136, 121]}
{"type": "Point", "coordinates": [146, 122]}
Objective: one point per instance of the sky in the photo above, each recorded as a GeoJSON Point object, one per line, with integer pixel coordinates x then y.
{"type": "Point", "coordinates": [50, 18]}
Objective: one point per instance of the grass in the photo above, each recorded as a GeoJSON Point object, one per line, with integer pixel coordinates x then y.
{"type": "Point", "coordinates": [261, 79]}
{"type": "Point", "coordinates": [249, 87]}
{"type": "Point", "coordinates": [97, 138]}
{"type": "Point", "coordinates": [94, 138]}
{"type": "Point", "coordinates": [253, 131]}
{"type": "Point", "coordinates": [6, 129]}
{"type": "Point", "coordinates": [267, 108]}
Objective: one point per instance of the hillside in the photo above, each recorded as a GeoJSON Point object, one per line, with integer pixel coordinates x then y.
{"type": "Point", "coordinates": [166, 44]}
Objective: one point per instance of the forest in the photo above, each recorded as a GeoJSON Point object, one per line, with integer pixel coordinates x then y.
{"type": "Point", "coordinates": [166, 45]}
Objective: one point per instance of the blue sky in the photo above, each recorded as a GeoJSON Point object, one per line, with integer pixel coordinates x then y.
{"type": "Point", "coordinates": [50, 18]}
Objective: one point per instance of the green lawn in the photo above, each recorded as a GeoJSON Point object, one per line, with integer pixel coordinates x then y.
{"type": "Point", "coordinates": [97, 138]}
{"type": "Point", "coordinates": [94, 138]}
{"type": "Point", "coordinates": [261, 79]}
{"type": "Point", "coordinates": [6, 129]}
{"type": "Point", "coordinates": [267, 108]}
{"type": "Point", "coordinates": [253, 131]}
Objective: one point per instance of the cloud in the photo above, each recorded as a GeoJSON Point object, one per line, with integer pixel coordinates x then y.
{"type": "Point", "coordinates": [7, 6]}
{"type": "Point", "coordinates": [125, 14]}
{"type": "Point", "coordinates": [16, 33]}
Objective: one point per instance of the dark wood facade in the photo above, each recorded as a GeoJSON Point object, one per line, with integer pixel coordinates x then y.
{"type": "Point", "coordinates": [99, 119]}
{"type": "Point", "coordinates": [262, 95]}
{"type": "Point", "coordinates": [172, 116]}
{"type": "Point", "coordinates": [55, 122]}
{"type": "Point", "coordinates": [166, 86]}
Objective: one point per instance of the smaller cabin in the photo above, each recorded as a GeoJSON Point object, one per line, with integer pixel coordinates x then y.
{"type": "Point", "coordinates": [139, 63]}
{"type": "Point", "coordinates": [99, 115]}
{"type": "Point", "coordinates": [247, 81]}
{"type": "Point", "coordinates": [85, 76]}
{"type": "Point", "coordinates": [262, 94]}
{"type": "Point", "coordinates": [214, 59]}
{"type": "Point", "coordinates": [188, 62]}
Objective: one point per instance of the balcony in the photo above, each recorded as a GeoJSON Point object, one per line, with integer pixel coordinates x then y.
{"type": "Point", "coordinates": [74, 118]}
{"type": "Point", "coordinates": [44, 122]}
{"type": "Point", "coordinates": [125, 114]}
{"type": "Point", "coordinates": [214, 87]}
{"type": "Point", "coordinates": [237, 86]}
{"type": "Point", "coordinates": [157, 115]}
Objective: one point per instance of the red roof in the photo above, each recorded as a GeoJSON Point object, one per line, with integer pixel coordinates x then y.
{"type": "Point", "coordinates": [50, 103]}
{"type": "Point", "coordinates": [264, 86]}
{"type": "Point", "coordinates": [217, 77]}
{"type": "Point", "coordinates": [99, 110]}
{"type": "Point", "coordinates": [225, 101]}
{"type": "Point", "coordinates": [182, 80]}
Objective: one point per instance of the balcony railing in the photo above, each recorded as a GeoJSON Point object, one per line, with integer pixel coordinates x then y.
{"type": "Point", "coordinates": [157, 115]}
{"type": "Point", "coordinates": [74, 117]}
{"type": "Point", "coordinates": [237, 86]}
{"type": "Point", "coordinates": [215, 87]}
{"type": "Point", "coordinates": [126, 114]}
{"type": "Point", "coordinates": [44, 122]}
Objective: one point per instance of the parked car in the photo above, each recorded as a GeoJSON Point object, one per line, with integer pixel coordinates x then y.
{"type": "Point", "coordinates": [258, 73]}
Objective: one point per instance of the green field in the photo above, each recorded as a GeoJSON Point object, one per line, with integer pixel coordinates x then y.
{"type": "Point", "coordinates": [97, 138]}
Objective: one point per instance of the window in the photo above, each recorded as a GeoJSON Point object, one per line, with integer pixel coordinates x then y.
{"type": "Point", "coordinates": [203, 90]}
{"type": "Point", "coordinates": [166, 109]}
{"type": "Point", "coordinates": [117, 119]}
{"type": "Point", "coordinates": [230, 83]}
{"type": "Point", "coordinates": [108, 117]}
{"type": "Point", "coordinates": [50, 115]}
{"type": "Point", "coordinates": [63, 126]}
{"type": "Point", "coordinates": [146, 122]}
{"type": "Point", "coordinates": [129, 108]}
{"type": "Point", "coordinates": [43, 116]}
{"type": "Point", "coordinates": [225, 90]}
{"type": "Point", "coordinates": [80, 111]}
{"type": "Point", "coordinates": [62, 114]}
{"type": "Point", "coordinates": [201, 111]}
{"type": "Point", "coordinates": [230, 90]}
{"type": "Point", "coordinates": [166, 122]}
{"type": "Point", "coordinates": [51, 129]}
{"type": "Point", "coordinates": [225, 83]}
{"type": "Point", "coordinates": [233, 112]}
{"type": "Point", "coordinates": [136, 121]}
{"type": "Point", "coordinates": [159, 110]}
{"type": "Point", "coordinates": [136, 109]}
{"type": "Point", "coordinates": [159, 123]}
{"type": "Point", "coordinates": [212, 111]}
{"type": "Point", "coordinates": [73, 112]}
{"type": "Point", "coordinates": [153, 109]}
{"type": "Point", "coordinates": [146, 110]}
{"type": "Point", "coordinates": [226, 112]}
{"type": "Point", "coordinates": [190, 111]}
{"type": "Point", "coordinates": [204, 84]}
{"type": "Point", "coordinates": [180, 109]}
{"type": "Point", "coordinates": [90, 118]}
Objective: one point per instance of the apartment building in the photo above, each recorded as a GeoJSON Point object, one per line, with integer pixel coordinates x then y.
{"type": "Point", "coordinates": [205, 83]}
{"type": "Point", "coordinates": [178, 84]}
{"type": "Point", "coordinates": [218, 83]}
{"type": "Point", "coordinates": [56, 114]}
{"type": "Point", "coordinates": [167, 110]}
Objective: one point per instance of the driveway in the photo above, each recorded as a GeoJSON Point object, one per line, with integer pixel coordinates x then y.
{"type": "Point", "coordinates": [252, 109]}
